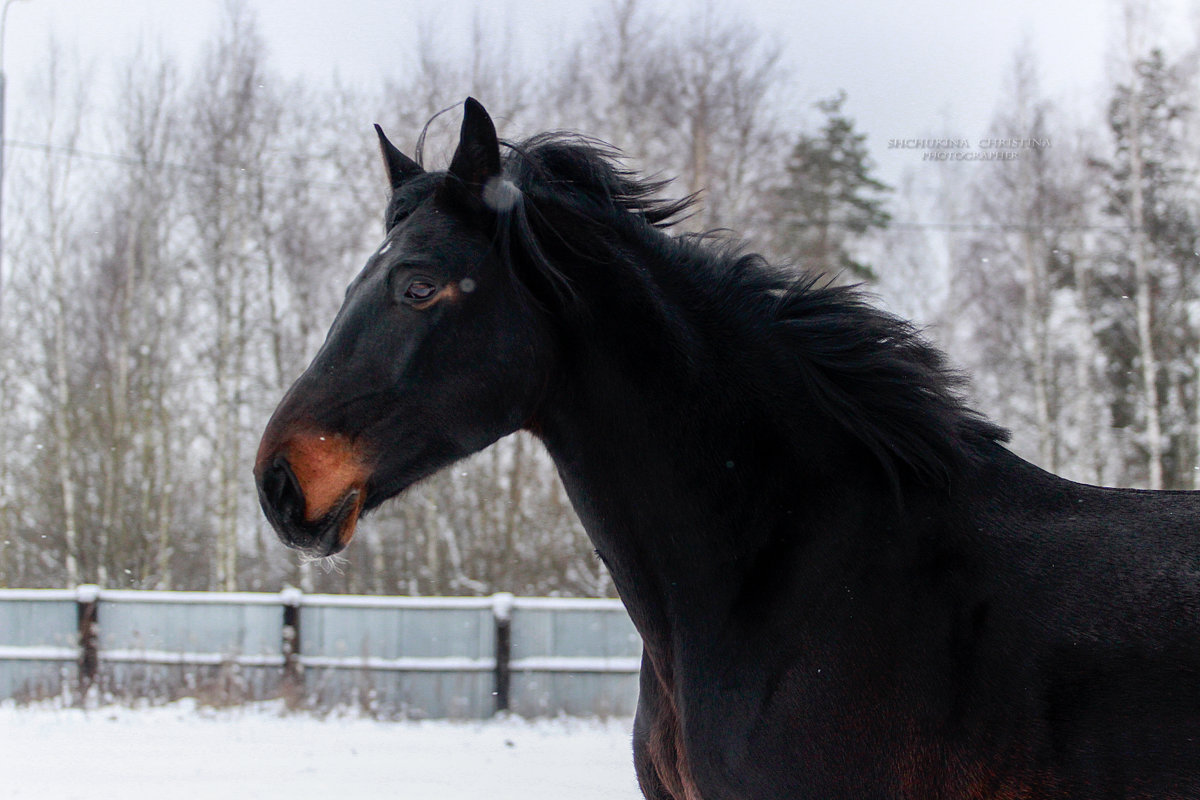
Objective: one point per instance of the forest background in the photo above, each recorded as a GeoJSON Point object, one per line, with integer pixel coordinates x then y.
{"type": "Point", "coordinates": [161, 291]}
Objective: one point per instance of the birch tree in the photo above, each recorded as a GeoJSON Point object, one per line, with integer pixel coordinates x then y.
{"type": "Point", "coordinates": [1149, 270]}
{"type": "Point", "coordinates": [46, 288]}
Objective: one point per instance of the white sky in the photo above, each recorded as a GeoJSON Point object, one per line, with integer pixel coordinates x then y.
{"type": "Point", "coordinates": [911, 69]}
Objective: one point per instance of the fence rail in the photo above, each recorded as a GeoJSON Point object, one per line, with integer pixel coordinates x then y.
{"type": "Point", "coordinates": [396, 656]}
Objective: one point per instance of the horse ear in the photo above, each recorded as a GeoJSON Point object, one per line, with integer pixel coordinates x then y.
{"type": "Point", "coordinates": [400, 168]}
{"type": "Point", "coordinates": [477, 156]}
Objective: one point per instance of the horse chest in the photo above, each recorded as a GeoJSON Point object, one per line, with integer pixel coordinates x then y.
{"type": "Point", "coordinates": [807, 740]}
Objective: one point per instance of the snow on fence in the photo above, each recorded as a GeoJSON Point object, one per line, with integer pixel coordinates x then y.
{"type": "Point", "coordinates": [442, 657]}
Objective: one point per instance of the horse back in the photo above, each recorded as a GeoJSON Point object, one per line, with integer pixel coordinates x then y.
{"type": "Point", "coordinates": [1083, 635]}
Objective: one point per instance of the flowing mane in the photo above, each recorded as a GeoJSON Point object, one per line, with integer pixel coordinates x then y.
{"type": "Point", "coordinates": [870, 372]}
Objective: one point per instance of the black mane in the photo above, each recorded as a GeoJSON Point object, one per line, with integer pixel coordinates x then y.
{"type": "Point", "coordinates": [870, 372]}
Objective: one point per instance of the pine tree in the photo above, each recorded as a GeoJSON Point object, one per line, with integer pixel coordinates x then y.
{"type": "Point", "coordinates": [831, 198]}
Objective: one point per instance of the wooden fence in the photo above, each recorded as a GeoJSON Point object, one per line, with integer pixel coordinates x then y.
{"type": "Point", "coordinates": [391, 656]}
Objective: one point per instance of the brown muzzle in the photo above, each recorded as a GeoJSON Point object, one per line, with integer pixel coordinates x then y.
{"type": "Point", "coordinates": [312, 487]}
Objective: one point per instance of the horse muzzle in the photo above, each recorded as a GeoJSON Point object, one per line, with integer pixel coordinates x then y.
{"type": "Point", "coordinates": [312, 488]}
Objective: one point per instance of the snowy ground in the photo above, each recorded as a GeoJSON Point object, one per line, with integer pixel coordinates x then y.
{"type": "Point", "coordinates": [182, 752]}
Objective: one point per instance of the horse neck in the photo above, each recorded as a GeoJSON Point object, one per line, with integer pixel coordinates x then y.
{"type": "Point", "coordinates": [680, 468]}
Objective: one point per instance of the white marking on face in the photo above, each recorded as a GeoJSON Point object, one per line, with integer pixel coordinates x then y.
{"type": "Point", "coordinates": [386, 246]}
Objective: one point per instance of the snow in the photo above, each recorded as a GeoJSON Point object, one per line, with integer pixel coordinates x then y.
{"type": "Point", "coordinates": [193, 598]}
{"type": "Point", "coordinates": [59, 595]}
{"type": "Point", "coordinates": [87, 593]}
{"type": "Point", "coordinates": [38, 653]}
{"type": "Point", "coordinates": [502, 606]}
{"type": "Point", "coordinates": [185, 752]}
{"type": "Point", "coordinates": [567, 604]}
{"type": "Point", "coordinates": [604, 664]}
{"type": "Point", "coordinates": [499, 603]}
{"type": "Point", "coordinates": [174, 657]}
{"type": "Point", "coordinates": [402, 664]}
{"type": "Point", "coordinates": [379, 601]}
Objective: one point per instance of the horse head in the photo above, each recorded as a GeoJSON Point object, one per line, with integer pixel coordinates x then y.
{"type": "Point", "coordinates": [436, 352]}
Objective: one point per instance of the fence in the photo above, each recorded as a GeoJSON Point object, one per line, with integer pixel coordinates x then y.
{"type": "Point", "coordinates": [393, 656]}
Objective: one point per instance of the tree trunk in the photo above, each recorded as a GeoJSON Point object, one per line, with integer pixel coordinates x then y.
{"type": "Point", "coordinates": [1142, 290]}
{"type": "Point", "coordinates": [1037, 327]}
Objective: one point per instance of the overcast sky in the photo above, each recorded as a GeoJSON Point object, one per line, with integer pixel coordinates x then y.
{"type": "Point", "coordinates": [910, 69]}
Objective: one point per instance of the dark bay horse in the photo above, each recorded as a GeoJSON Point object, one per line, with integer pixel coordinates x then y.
{"type": "Point", "coordinates": [846, 585]}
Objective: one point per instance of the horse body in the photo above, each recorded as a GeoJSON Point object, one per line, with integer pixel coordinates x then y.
{"type": "Point", "coordinates": [999, 637]}
{"type": "Point", "coordinates": [846, 586]}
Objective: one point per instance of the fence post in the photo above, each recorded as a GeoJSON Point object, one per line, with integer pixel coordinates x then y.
{"type": "Point", "coordinates": [292, 685]}
{"type": "Point", "coordinates": [502, 607]}
{"type": "Point", "coordinates": [87, 599]}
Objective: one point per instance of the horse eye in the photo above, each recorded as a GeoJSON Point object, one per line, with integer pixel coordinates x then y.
{"type": "Point", "coordinates": [420, 290]}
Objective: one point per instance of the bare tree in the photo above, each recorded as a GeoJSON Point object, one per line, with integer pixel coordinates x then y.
{"type": "Point", "coordinates": [1025, 276]}
{"type": "Point", "coordinates": [233, 122]}
{"type": "Point", "coordinates": [141, 332]}
{"type": "Point", "coordinates": [694, 98]}
{"type": "Point", "coordinates": [45, 290]}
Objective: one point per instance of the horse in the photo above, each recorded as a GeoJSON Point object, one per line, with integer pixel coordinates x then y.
{"type": "Point", "coordinates": [847, 586]}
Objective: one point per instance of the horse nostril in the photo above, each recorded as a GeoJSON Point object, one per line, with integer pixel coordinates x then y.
{"type": "Point", "coordinates": [282, 491]}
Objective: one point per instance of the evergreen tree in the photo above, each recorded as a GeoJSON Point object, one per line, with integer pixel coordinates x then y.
{"type": "Point", "coordinates": [831, 198]}
{"type": "Point", "coordinates": [1148, 275]}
